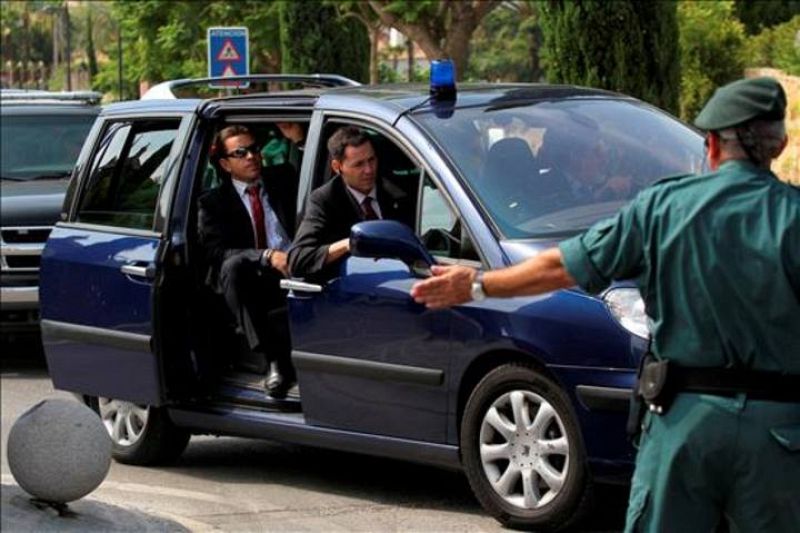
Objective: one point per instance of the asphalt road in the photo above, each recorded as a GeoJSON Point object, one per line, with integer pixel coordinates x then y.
{"type": "Point", "coordinates": [233, 484]}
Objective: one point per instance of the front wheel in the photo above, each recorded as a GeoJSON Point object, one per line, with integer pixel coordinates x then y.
{"type": "Point", "coordinates": [140, 434]}
{"type": "Point", "coordinates": [522, 451]}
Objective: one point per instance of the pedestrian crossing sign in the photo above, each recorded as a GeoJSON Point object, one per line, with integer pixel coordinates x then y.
{"type": "Point", "coordinates": [228, 54]}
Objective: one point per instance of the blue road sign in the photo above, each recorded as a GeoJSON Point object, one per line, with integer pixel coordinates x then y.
{"type": "Point", "coordinates": [228, 54]}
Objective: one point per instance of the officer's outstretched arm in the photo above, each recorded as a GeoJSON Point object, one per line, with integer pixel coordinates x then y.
{"type": "Point", "coordinates": [450, 285]}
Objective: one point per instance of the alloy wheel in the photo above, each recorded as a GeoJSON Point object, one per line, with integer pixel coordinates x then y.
{"type": "Point", "coordinates": [524, 449]}
{"type": "Point", "coordinates": [125, 421]}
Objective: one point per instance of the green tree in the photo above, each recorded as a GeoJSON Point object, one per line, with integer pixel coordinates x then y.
{"type": "Point", "coordinates": [164, 40]}
{"type": "Point", "coordinates": [27, 37]}
{"type": "Point", "coordinates": [711, 42]}
{"type": "Point", "coordinates": [759, 15]}
{"type": "Point", "coordinates": [315, 39]}
{"type": "Point", "coordinates": [505, 46]}
{"type": "Point", "coordinates": [441, 28]}
{"type": "Point", "coordinates": [621, 45]}
{"type": "Point", "coordinates": [361, 12]}
{"type": "Point", "coordinates": [777, 47]}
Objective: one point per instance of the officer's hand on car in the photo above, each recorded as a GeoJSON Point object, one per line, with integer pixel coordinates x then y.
{"type": "Point", "coordinates": [449, 285]}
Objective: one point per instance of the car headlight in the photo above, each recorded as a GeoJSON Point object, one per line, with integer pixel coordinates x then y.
{"type": "Point", "coordinates": [626, 305]}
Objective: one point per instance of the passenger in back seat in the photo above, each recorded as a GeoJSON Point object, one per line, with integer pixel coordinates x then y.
{"type": "Point", "coordinates": [245, 227]}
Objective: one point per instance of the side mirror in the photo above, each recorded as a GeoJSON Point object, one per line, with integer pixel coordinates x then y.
{"type": "Point", "coordinates": [390, 239]}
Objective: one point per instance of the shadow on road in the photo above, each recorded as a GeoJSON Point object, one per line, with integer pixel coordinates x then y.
{"type": "Point", "coordinates": [383, 481]}
{"type": "Point", "coordinates": [22, 353]}
{"type": "Point", "coordinates": [20, 514]}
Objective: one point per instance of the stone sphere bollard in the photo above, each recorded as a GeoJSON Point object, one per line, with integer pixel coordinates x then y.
{"type": "Point", "coordinates": [59, 451]}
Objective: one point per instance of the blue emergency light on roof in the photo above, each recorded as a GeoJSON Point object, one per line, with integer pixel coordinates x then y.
{"type": "Point", "coordinates": [443, 79]}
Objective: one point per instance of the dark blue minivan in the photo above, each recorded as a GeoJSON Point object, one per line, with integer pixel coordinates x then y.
{"type": "Point", "coordinates": [527, 395]}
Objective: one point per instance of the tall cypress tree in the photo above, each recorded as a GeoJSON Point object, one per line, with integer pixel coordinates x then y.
{"type": "Point", "coordinates": [628, 46]}
{"type": "Point", "coordinates": [314, 39]}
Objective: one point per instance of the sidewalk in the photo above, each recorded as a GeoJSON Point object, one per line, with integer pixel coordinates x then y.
{"type": "Point", "coordinates": [18, 514]}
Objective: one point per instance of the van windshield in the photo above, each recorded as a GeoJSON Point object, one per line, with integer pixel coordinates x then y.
{"type": "Point", "coordinates": [552, 168]}
{"type": "Point", "coordinates": [41, 146]}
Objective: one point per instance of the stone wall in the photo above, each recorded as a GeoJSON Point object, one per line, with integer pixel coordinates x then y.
{"type": "Point", "coordinates": [787, 166]}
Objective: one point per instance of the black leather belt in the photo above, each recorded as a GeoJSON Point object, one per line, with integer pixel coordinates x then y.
{"type": "Point", "coordinates": [756, 384]}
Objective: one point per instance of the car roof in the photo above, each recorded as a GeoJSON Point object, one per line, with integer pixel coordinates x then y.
{"type": "Point", "coordinates": [48, 108]}
{"type": "Point", "coordinates": [387, 101]}
{"type": "Point", "coordinates": [38, 102]}
{"type": "Point", "coordinates": [391, 101]}
{"type": "Point", "coordinates": [152, 106]}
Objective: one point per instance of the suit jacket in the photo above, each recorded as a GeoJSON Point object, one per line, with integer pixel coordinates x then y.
{"type": "Point", "coordinates": [225, 229]}
{"type": "Point", "coordinates": [330, 213]}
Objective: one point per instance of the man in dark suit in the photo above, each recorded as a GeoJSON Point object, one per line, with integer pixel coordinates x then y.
{"type": "Point", "coordinates": [245, 227]}
{"type": "Point", "coordinates": [353, 195]}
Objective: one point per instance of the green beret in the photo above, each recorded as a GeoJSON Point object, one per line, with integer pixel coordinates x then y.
{"type": "Point", "coordinates": [743, 101]}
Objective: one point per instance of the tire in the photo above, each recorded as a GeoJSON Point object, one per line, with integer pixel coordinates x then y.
{"type": "Point", "coordinates": [522, 450]}
{"type": "Point", "coordinates": [140, 434]}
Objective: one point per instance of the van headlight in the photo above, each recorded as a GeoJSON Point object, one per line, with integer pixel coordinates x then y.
{"type": "Point", "coordinates": [627, 307]}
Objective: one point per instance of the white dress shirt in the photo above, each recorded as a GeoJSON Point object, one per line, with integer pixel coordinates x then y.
{"type": "Point", "coordinates": [359, 196]}
{"type": "Point", "coordinates": [277, 238]}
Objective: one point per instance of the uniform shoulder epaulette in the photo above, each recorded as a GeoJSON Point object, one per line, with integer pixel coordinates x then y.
{"type": "Point", "coordinates": [671, 178]}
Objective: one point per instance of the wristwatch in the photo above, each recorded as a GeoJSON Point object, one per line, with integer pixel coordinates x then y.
{"type": "Point", "coordinates": [266, 255]}
{"type": "Point", "coordinates": [477, 291]}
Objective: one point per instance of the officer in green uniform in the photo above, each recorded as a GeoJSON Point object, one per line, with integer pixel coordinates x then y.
{"type": "Point", "coordinates": [717, 260]}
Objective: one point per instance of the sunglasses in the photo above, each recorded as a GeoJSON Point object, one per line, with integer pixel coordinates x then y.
{"type": "Point", "coordinates": [242, 151]}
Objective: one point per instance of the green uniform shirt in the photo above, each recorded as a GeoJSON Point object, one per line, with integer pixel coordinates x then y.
{"type": "Point", "coordinates": [717, 260]}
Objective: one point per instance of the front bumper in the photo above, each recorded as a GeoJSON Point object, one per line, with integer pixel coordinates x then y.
{"type": "Point", "coordinates": [19, 298]}
{"type": "Point", "coordinates": [19, 309]}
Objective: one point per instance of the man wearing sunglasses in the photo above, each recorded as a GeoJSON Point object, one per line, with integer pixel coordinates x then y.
{"type": "Point", "coordinates": [245, 227]}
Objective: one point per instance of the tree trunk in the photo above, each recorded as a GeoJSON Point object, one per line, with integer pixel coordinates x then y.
{"type": "Point", "coordinates": [90, 52]}
{"type": "Point", "coordinates": [410, 52]}
{"type": "Point", "coordinates": [374, 34]}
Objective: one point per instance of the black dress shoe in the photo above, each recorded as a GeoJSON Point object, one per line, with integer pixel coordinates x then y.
{"type": "Point", "coordinates": [277, 385]}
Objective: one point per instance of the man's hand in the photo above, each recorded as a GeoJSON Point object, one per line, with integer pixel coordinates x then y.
{"type": "Point", "coordinates": [338, 250]}
{"type": "Point", "coordinates": [278, 261]}
{"type": "Point", "coordinates": [449, 285]}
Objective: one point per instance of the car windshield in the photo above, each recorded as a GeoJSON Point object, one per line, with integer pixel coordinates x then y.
{"type": "Point", "coordinates": [552, 168]}
{"type": "Point", "coordinates": [38, 146]}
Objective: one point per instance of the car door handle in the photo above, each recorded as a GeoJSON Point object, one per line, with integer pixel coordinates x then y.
{"type": "Point", "coordinates": [300, 286]}
{"type": "Point", "coordinates": [146, 272]}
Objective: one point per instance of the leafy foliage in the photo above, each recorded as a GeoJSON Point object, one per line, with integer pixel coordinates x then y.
{"type": "Point", "coordinates": [759, 15]}
{"type": "Point", "coordinates": [505, 46]}
{"type": "Point", "coordinates": [624, 45]}
{"type": "Point", "coordinates": [440, 28]}
{"type": "Point", "coordinates": [26, 33]}
{"type": "Point", "coordinates": [711, 42]}
{"type": "Point", "coordinates": [315, 39]}
{"type": "Point", "coordinates": [167, 39]}
{"type": "Point", "coordinates": [776, 47]}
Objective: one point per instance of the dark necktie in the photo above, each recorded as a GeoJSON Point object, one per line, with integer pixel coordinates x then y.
{"type": "Point", "coordinates": [369, 212]}
{"type": "Point", "coordinates": [258, 216]}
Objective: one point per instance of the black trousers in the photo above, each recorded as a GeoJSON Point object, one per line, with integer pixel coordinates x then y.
{"type": "Point", "coordinates": [254, 297]}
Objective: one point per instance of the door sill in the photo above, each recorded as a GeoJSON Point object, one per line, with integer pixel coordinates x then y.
{"type": "Point", "coordinates": [246, 389]}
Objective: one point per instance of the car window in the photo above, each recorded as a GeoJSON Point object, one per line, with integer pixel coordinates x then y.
{"type": "Point", "coordinates": [124, 182]}
{"type": "Point", "coordinates": [551, 168]}
{"type": "Point", "coordinates": [26, 154]}
{"type": "Point", "coordinates": [440, 229]}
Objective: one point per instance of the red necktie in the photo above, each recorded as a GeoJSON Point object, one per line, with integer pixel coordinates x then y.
{"type": "Point", "coordinates": [258, 217]}
{"type": "Point", "coordinates": [369, 212]}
